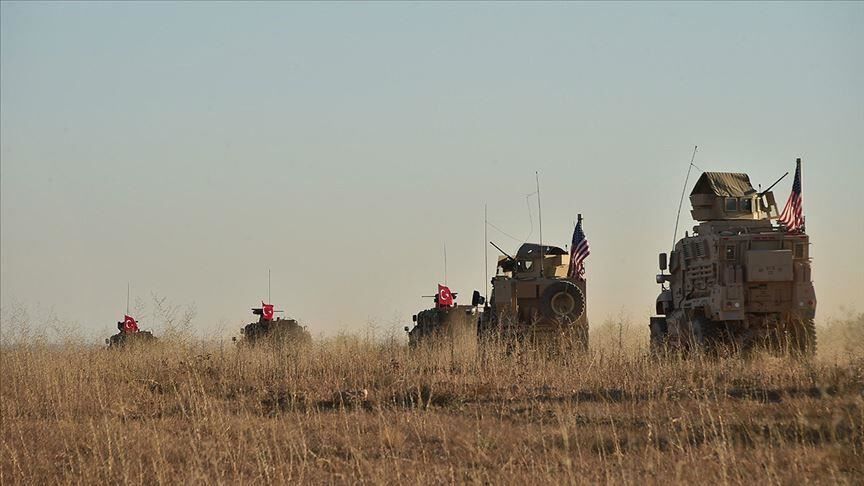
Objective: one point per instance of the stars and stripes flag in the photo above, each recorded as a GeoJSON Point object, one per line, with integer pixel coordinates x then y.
{"type": "Point", "coordinates": [792, 216]}
{"type": "Point", "coordinates": [579, 251]}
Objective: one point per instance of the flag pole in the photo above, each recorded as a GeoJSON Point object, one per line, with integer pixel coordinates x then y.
{"type": "Point", "coordinates": [540, 218]}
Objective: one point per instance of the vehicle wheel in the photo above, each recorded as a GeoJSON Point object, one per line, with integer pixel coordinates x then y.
{"type": "Point", "coordinates": [802, 337]}
{"type": "Point", "coordinates": [701, 334]}
{"type": "Point", "coordinates": [659, 334]}
{"type": "Point", "coordinates": [562, 301]}
{"type": "Point", "coordinates": [581, 339]}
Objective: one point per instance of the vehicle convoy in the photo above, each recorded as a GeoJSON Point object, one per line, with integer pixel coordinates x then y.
{"type": "Point", "coordinates": [738, 281]}
{"type": "Point", "coordinates": [129, 334]}
{"type": "Point", "coordinates": [447, 322]}
{"type": "Point", "coordinates": [273, 330]}
{"type": "Point", "coordinates": [537, 298]}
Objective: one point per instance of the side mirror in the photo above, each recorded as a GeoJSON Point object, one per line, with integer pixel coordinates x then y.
{"type": "Point", "coordinates": [107, 341]}
{"type": "Point", "coordinates": [414, 318]}
{"type": "Point", "coordinates": [242, 330]}
{"type": "Point", "coordinates": [406, 329]}
{"type": "Point", "coordinates": [664, 263]}
{"type": "Point", "coordinates": [477, 299]}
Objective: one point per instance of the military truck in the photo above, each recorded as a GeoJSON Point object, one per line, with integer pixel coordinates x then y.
{"type": "Point", "coordinates": [445, 324]}
{"type": "Point", "coordinates": [270, 329]}
{"type": "Point", "coordinates": [533, 299]}
{"type": "Point", "coordinates": [738, 281]}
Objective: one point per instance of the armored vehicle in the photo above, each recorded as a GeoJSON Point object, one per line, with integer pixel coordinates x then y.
{"type": "Point", "coordinates": [534, 299]}
{"type": "Point", "coordinates": [447, 323]}
{"type": "Point", "coordinates": [273, 330]}
{"type": "Point", "coordinates": [738, 280]}
{"type": "Point", "coordinates": [129, 334]}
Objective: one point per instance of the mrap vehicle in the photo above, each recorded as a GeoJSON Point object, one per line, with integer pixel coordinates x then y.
{"type": "Point", "coordinates": [738, 281]}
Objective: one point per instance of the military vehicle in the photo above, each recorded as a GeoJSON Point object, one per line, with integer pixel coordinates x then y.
{"type": "Point", "coordinates": [534, 299]}
{"type": "Point", "coordinates": [129, 334]}
{"type": "Point", "coordinates": [738, 280]}
{"type": "Point", "coordinates": [447, 322]}
{"type": "Point", "coordinates": [273, 330]}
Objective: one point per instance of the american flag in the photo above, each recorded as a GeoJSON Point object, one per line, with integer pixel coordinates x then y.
{"type": "Point", "coordinates": [792, 216]}
{"type": "Point", "coordinates": [579, 251]}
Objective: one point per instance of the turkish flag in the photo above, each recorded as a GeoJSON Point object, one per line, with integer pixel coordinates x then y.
{"type": "Point", "coordinates": [266, 311]}
{"type": "Point", "coordinates": [129, 324]}
{"type": "Point", "coordinates": [445, 298]}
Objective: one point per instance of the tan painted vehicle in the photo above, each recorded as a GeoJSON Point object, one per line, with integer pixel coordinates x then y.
{"type": "Point", "coordinates": [452, 325]}
{"type": "Point", "coordinates": [738, 281]}
{"type": "Point", "coordinates": [534, 300]}
{"type": "Point", "coordinates": [273, 330]}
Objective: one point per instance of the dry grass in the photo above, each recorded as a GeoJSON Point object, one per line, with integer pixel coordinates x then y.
{"type": "Point", "coordinates": [205, 413]}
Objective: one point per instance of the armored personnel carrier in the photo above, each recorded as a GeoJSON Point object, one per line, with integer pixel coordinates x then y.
{"type": "Point", "coordinates": [129, 334]}
{"type": "Point", "coordinates": [447, 322]}
{"type": "Point", "coordinates": [534, 299]}
{"type": "Point", "coordinates": [738, 280]}
{"type": "Point", "coordinates": [273, 330]}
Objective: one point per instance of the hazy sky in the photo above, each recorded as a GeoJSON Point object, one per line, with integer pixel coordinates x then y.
{"type": "Point", "coordinates": [188, 148]}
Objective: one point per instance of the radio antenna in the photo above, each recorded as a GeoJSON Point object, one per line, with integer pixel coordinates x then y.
{"type": "Point", "coordinates": [540, 219]}
{"type": "Point", "coordinates": [269, 297]}
{"type": "Point", "coordinates": [445, 263]}
{"type": "Point", "coordinates": [683, 190]}
{"type": "Point", "coordinates": [127, 298]}
{"type": "Point", "coordinates": [486, 250]}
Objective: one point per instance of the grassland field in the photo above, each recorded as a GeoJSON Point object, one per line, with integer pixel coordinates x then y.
{"type": "Point", "coordinates": [365, 409]}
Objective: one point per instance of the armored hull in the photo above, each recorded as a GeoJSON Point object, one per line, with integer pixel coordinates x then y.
{"type": "Point", "coordinates": [122, 339]}
{"type": "Point", "coordinates": [278, 331]}
{"type": "Point", "coordinates": [454, 327]}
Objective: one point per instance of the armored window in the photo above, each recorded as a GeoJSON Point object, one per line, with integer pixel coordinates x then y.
{"type": "Point", "coordinates": [525, 265]}
{"type": "Point", "coordinates": [731, 204]}
{"type": "Point", "coordinates": [746, 205]}
{"type": "Point", "coordinates": [801, 250]}
{"type": "Point", "coordinates": [730, 252]}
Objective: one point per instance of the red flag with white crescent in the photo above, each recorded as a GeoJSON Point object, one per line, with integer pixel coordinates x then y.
{"type": "Point", "coordinates": [267, 311]}
{"type": "Point", "coordinates": [445, 297]}
{"type": "Point", "coordinates": [129, 324]}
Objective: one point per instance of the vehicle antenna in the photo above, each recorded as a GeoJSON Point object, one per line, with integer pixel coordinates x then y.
{"type": "Point", "coordinates": [683, 190]}
{"type": "Point", "coordinates": [127, 298]}
{"type": "Point", "coordinates": [486, 250]}
{"type": "Point", "coordinates": [269, 298]}
{"type": "Point", "coordinates": [445, 263]}
{"type": "Point", "coordinates": [540, 219]}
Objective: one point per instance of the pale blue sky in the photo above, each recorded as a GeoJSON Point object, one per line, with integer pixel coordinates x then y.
{"type": "Point", "coordinates": [190, 147]}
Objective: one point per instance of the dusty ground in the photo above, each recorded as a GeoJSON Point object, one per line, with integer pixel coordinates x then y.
{"type": "Point", "coordinates": [204, 413]}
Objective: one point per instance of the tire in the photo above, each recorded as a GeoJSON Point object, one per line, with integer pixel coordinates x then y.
{"type": "Point", "coordinates": [702, 334]}
{"type": "Point", "coordinates": [562, 301]}
{"type": "Point", "coordinates": [802, 337]}
{"type": "Point", "coordinates": [659, 334]}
